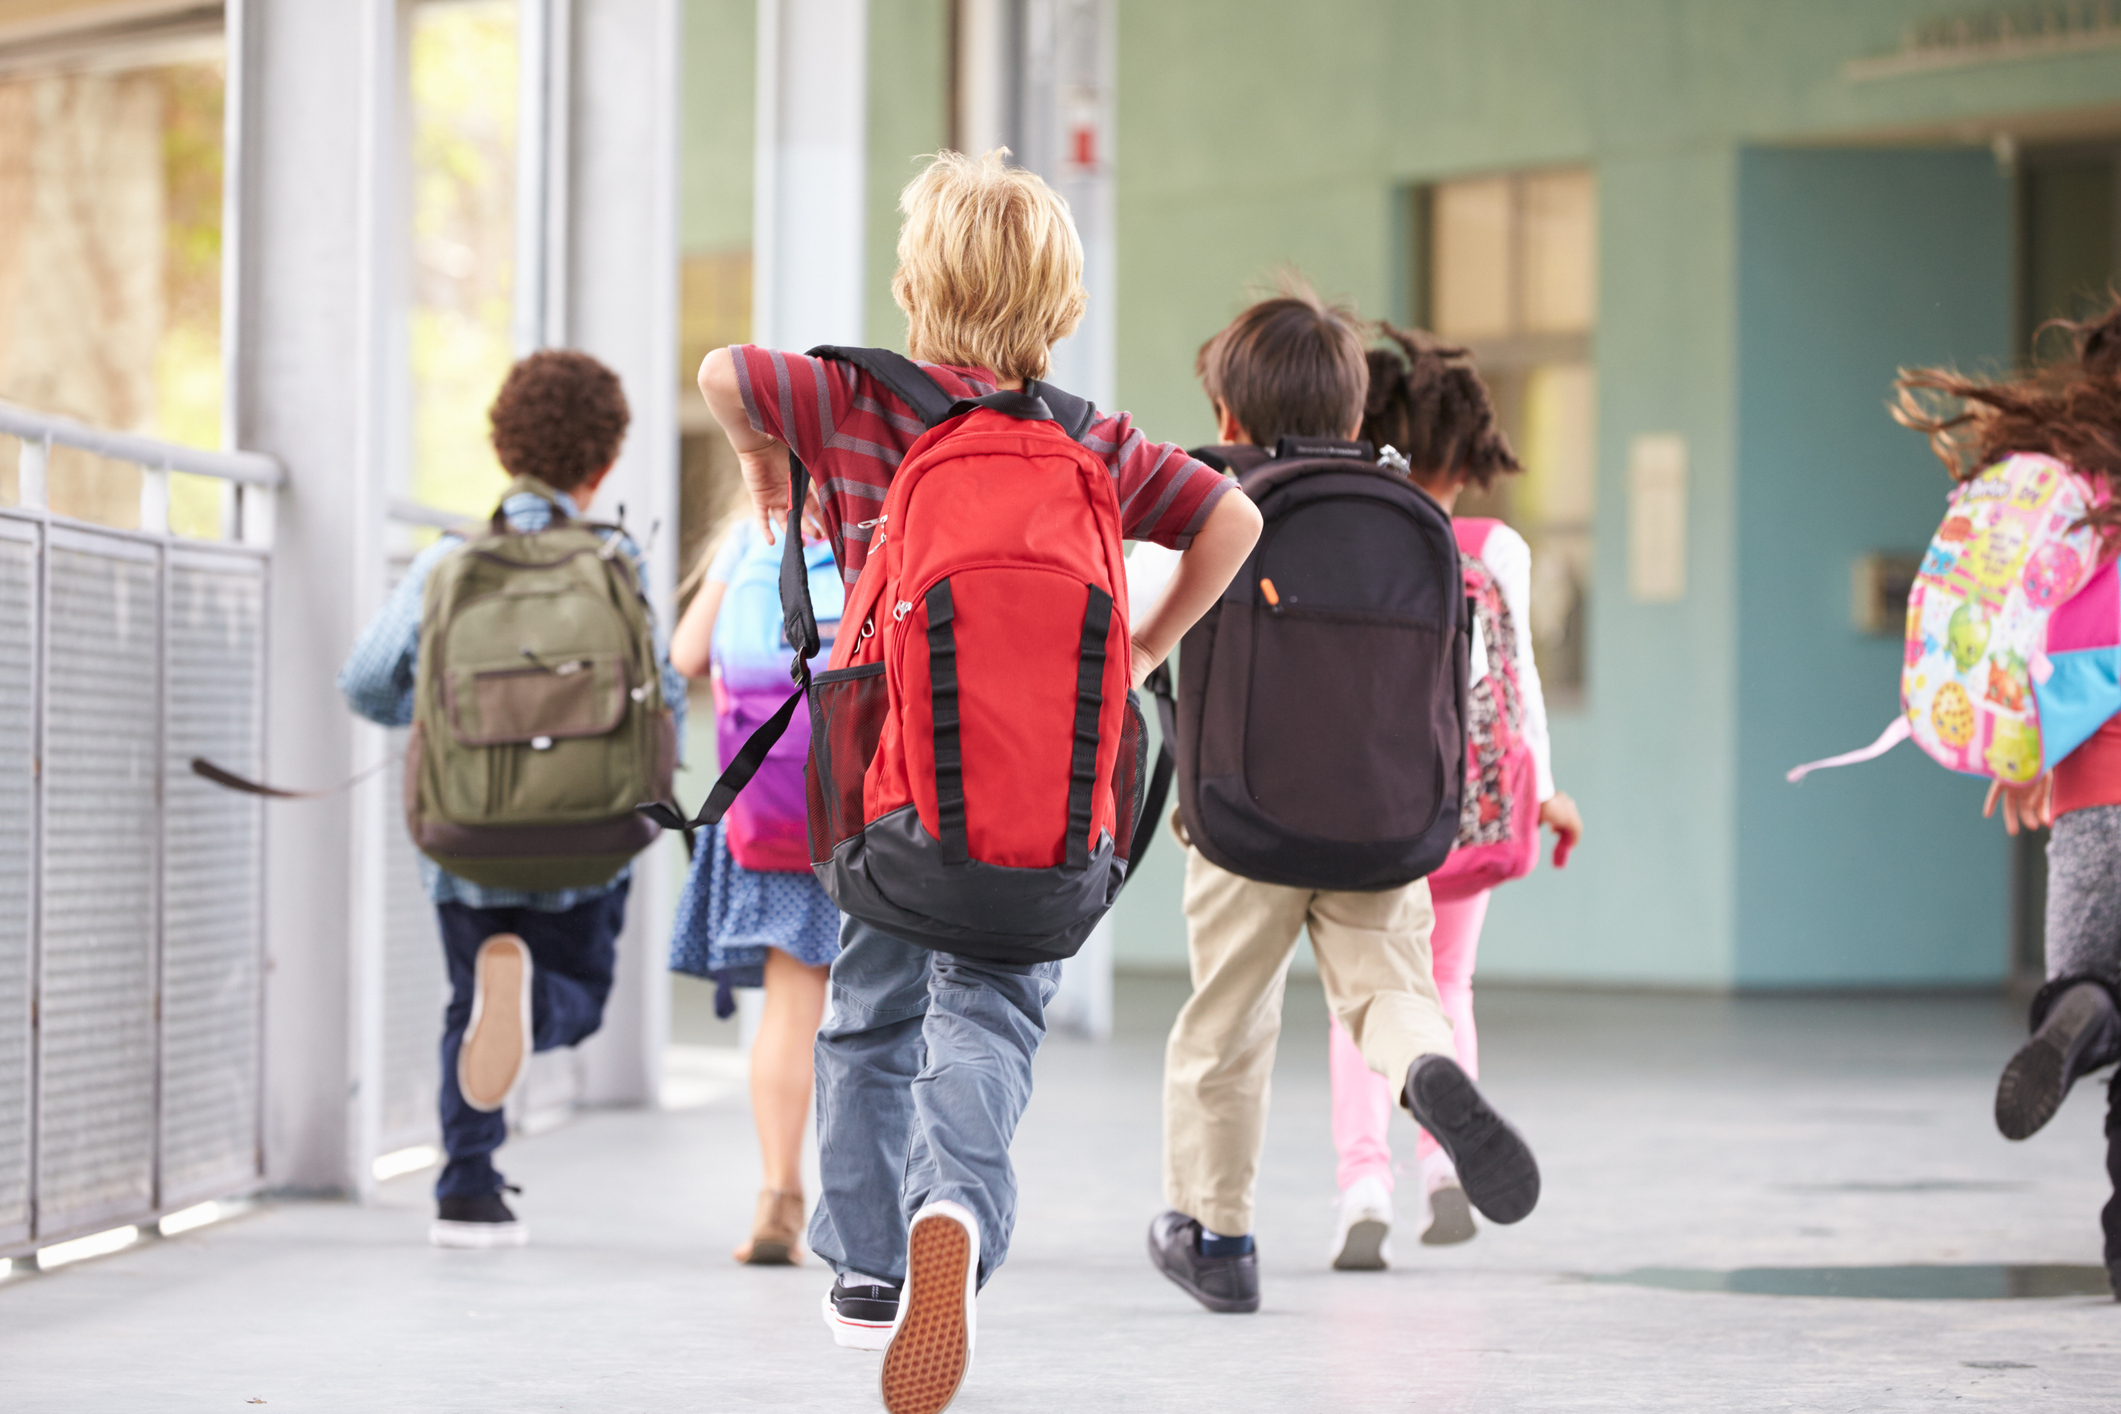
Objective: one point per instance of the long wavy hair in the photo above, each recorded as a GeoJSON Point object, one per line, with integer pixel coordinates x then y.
{"type": "Point", "coordinates": [2068, 409]}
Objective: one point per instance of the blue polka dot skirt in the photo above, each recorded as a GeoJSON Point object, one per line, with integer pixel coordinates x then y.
{"type": "Point", "coordinates": [729, 915]}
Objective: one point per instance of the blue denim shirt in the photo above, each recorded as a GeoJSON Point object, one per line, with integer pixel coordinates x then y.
{"type": "Point", "coordinates": [377, 682]}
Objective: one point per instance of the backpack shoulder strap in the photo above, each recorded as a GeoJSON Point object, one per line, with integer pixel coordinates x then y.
{"type": "Point", "coordinates": [898, 373]}
{"type": "Point", "coordinates": [1072, 413]}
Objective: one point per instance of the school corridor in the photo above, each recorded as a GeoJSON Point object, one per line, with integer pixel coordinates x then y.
{"type": "Point", "coordinates": [1757, 1204]}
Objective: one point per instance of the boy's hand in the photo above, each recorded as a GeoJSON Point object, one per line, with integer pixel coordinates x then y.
{"type": "Point", "coordinates": [1145, 661]}
{"type": "Point", "coordinates": [2030, 807]}
{"type": "Point", "coordinates": [766, 482]}
{"type": "Point", "coordinates": [1558, 813]}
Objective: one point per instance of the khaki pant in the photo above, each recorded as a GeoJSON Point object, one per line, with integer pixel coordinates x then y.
{"type": "Point", "coordinates": [1373, 956]}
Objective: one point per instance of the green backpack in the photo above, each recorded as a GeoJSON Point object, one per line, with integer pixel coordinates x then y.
{"type": "Point", "coordinates": [538, 720]}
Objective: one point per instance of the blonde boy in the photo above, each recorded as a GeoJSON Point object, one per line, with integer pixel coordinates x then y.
{"type": "Point", "coordinates": [924, 1061]}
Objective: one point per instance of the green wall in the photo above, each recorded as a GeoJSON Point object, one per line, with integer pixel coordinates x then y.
{"type": "Point", "coordinates": [720, 120]}
{"type": "Point", "coordinates": [1255, 136]}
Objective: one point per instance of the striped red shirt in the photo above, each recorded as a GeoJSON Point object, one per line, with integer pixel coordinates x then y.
{"type": "Point", "coordinates": [852, 433]}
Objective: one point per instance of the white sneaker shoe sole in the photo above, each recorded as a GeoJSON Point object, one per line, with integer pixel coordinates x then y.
{"type": "Point", "coordinates": [850, 1334]}
{"type": "Point", "coordinates": [1365, 1246]}
{"type": "Point", "coordinates": [495, 1050]}
{"type": "Point", "coordinates": [477, 1236]}
{"type": "Point", "coordinates": [932, 1338]}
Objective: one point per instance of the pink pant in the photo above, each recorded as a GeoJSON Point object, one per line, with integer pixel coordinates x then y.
{"type": "Point", "coordinates": [1363, 1099]}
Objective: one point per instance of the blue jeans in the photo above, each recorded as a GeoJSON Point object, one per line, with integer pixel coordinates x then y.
{"type": "Point", "coordinates": [923, 1070]}
{"type": "Point", "coordinates": [571, 956]}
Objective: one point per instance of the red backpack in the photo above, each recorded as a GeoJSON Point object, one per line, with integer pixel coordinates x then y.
{"type": "Point", "coordinates": [976, 756]}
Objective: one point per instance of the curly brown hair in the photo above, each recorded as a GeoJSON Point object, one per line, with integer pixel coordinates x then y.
{"type": "Point", "coordinates": [560, 417]}
{"type": "Point", "coordinates": [2068, 409]}
{"type": "Point", "coordinates": [1426, 401]}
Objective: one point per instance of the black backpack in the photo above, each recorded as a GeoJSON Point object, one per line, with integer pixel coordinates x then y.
{"type": "Point", "coordinates": [1321, 701]}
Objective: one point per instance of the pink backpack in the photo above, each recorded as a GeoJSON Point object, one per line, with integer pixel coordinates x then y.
{"type": "Point", "coordinates": [2013, 650]}
{"type": "Point", "coordinates": [1498, 818]}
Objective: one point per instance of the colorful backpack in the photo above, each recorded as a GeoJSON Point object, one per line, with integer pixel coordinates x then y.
{"type": "Point", "coordinates": [768, 825]}
{"type": "Point", "coordinates": [976, 755]}
{"type": "Point", "coordinates": [2013, 653]}
{"type": "Point", "coordinates": [1498, 823]}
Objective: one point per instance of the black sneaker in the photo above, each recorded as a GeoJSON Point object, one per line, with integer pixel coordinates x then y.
{"type": "Point", "coordinates": [860, 1317]}
{"type": "Point", "coordinates": [2077, 1035]}
{"type": "Point", "coordinates": [1218, 1283]}
{"type": "Point", "coordinates": [480, 1221]}
{"type": "Point", "coordinates": [1495, 1166]}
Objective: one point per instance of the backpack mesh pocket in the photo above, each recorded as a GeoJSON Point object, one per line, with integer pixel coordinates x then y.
{"type": "Point", "coordinates": [1129, 775]}
{"type": "Point", "coordinates": [847, 710]}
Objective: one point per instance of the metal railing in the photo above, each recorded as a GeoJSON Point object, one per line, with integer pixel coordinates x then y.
{"type": "Point", "coordinates": [131, 892]}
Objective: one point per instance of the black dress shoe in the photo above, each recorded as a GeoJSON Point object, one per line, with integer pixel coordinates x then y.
{"type": "Point", "coordinates": [1495, 1166]}
{"type": "Point", "coordinates": [2077, 1034]}
{"type": "Point", "coordinates": [1218, 1283]}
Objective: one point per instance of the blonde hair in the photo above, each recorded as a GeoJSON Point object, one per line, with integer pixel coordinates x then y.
{"type": "Point", "coordinates": [990, 268]}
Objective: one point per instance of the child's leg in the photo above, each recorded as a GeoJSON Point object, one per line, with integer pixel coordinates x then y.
{"type": "Point", "coordinates": [783, 1067]}
{"type": "Point", "coordinates": [2110, 1217]}
{"type": "Point", "coordinates": [1240, 935]}
{"type": "Point", "coordinates": [469, 1136]}
{"type": "Point", "coordinates": [984, 1024]}
{"type": "Point", "coordinates": [573, 956]}
{"type": "Point", "coordinates": [868, 1052]}
{"type": "Point", "coordinates": [1362, 1111]}
{"type": "Point", "coordinates": [1452, 948]}
{"type": "Point", "coordinates": [1373, 957]}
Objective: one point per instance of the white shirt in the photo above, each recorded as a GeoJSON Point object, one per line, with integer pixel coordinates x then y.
{"type": "Point", "coordinates": [1509, 559]}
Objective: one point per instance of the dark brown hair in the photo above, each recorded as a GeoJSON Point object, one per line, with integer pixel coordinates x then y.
{"type": "Point", "coordinates": [560, 417]}
{"type": "Point", "coordinates": [1426, 401]}
{"type": "Point", "coordinates": [2069, 409]}
{"type": "Point", "coordinates": [1290, 366]}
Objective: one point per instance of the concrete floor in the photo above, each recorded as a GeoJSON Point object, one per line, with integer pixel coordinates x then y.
{"type": "Point", "coordinates": [1795, 1142]}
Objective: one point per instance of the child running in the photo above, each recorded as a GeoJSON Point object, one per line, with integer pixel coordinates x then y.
{"type": "Point", "coordinates": [2070, 411]}
{"type": "Point", "coordinates": [752, 915]}
{"type": "Point", "coordinates": [924, 1061]}
{"type": "Point", "coordinates": [529, 969]}
{"type": "Point", "coordinates": [1430, 408]}
{"type": "Point", "coordinates": [1287, 379]}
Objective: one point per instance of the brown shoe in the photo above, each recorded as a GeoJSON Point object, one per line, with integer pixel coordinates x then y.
{"type": "Point", "coordinates": [775, 1230]}
{"type": "Point", "coordinates": [496, 1046]}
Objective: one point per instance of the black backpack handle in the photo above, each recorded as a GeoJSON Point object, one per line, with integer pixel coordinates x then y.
{"type": "Point", "coordinates": [799, 623]}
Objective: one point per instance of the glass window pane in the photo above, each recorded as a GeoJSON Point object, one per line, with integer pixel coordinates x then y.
{"type": "Point", "coordinates": [110, 259]}
{"type": "Point", "coordinates": [463, 249]}
{"type": "Point", "coordinates": [1560, 252]}
{"type": "Point", "coordinates": [1469, 283]}
{"type": "Point", "coordinates": [1556, 497]}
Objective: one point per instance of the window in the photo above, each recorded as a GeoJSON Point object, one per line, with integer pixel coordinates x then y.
{"type": "Point", "coordinates": [1508, 266]}
{"type": "Point", "coordinates": [462, 316]}
{"type": "Point", "coordinates": [721, 45]}
{"type": "Point", "coordinates": [110, 254]}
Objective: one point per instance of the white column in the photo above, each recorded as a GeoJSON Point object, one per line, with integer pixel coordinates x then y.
{"type": "Point", "coordinates": [313, 219]}
{"type": "Point", "coordinates": [618, 286]}
{"type": "Point", "coordinates": [811, 171]}
{"type": "Point", "coordinates": [1068, 77]}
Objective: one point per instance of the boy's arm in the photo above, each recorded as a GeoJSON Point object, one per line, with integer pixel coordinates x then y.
{"type": "Point", "coordinates": [378, 677]}
{"type": "Point", "coordinates": [1205, 569]}
{"type": "Point", "coordinates": [762, 458]}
